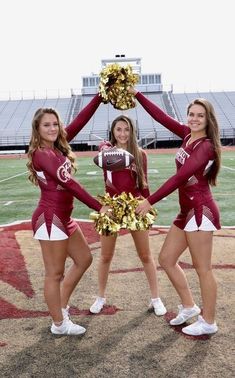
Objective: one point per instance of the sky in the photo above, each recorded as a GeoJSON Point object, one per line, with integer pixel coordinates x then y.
{"type": "Point", "coordinates": [51, 44]}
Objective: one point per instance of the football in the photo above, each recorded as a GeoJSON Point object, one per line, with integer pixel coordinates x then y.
{"type": "Point", "coordinates": [113, 159]}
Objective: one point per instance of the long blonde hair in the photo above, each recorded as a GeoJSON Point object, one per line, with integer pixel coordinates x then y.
{"type": "Point", "coordinates": [212, 131]}
{"type": "Point", "coordinates": [60, 144]}
{"type": "Point", "coordinates": [132, 147]}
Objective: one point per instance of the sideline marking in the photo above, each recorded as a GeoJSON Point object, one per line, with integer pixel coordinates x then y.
{"type": "Point", "coordinates": [9, 178]}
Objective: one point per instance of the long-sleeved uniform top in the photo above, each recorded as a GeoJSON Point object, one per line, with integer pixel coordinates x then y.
{"type": "Point", "coordinates": [124, 180]}
{"type": "Point", "coordinates": [51, 220]}
{"type": "Point", "coordinates": [198, 209]}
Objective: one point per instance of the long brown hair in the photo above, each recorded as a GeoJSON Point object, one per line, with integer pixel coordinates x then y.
{"type": "Point", "coordinates": [60, 144]}
{"type": "Point", "coordinates": [132, 147]}
{"type": "Point", "coordinates": [212, 131]}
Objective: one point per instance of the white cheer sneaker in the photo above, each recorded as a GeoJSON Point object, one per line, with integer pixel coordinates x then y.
{"type": "Point", "coordinates": [158, 307]}
{"type": "Point", "coordinates": [97, 305]}
{"type": "Point", "coordinates": [184, 314]}
{"type": "Point", "coordinates": [200, 327]}
{"type": "Point", "coordinates": [67, 328]}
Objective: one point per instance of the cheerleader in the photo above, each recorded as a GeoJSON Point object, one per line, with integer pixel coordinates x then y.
{"type": "Point", "coordinates": [131, 180]}
{"type": "Point", "coordinates": [197, 166]}
{"type": "Point", "coordinates": [50, 165]}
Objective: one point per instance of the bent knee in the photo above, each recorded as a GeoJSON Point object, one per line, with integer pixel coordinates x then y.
{"type": "Point", "coordinates": [106, 259]}
{"type": "Point", "coordinates": [203, 270]}
{"type": "Point", "coordinates": [89, 259]}
{"type": "Point", "coordinates": [55, 276]}
{"type": "Point", "coordinates": [163, 260]}
{"type": "Point", "coordinates": [86, 261]}
{"type": "Point", "coordinates": [146, 258]}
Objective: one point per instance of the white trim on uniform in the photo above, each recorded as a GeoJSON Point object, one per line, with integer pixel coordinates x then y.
{"type": "Point", "coordinates": [56, 233]}
{"type": "Point", "coordinates": [206, 225]}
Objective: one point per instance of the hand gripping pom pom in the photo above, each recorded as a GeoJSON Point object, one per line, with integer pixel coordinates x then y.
{"type": "Point", "coordinates": [113, 159]}
{"type": "Point", "coordinates": [114, 83]}
{"type": "Point", "coordinates": [123, 215]}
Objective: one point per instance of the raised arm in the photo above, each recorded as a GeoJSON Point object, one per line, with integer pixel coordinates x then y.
{"type": "Point", "coordinates": [83, 117]}
{"type": "Point", "coordinates": [48, 162]}
{"type": "Point", "coordinates": [159, 116]}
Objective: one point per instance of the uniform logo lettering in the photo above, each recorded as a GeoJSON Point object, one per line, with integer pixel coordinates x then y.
{"type": "Point", "coordinates": [63, 172]}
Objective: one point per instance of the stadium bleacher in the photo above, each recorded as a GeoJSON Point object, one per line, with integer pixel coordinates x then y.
{"type": "Point", "coordinates": [16, 115]}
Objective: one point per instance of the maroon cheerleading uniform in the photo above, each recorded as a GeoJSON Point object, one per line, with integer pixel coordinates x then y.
{"type": "Point", "coordinates": [125, 180]}
{"type": "Point", "coordinates": [52, 218]}
{"type": "Point", "coordinates": [198, 210]}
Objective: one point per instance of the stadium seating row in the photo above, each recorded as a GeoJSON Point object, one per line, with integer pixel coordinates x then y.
{"type": "Point", "coordinates": [16, 116]}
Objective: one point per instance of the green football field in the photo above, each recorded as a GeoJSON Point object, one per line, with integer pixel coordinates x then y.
{"type": "Point", "coordinates": [18, 197]}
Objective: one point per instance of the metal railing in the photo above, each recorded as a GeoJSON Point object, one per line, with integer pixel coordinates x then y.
{"type": "Point", "coordinates": [149, 137]}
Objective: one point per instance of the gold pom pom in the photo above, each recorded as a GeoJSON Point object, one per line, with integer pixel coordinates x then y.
{"type": "Point", "coordinates": [114, 83]}
{"type": "Point", "coordinates": [123, 215]}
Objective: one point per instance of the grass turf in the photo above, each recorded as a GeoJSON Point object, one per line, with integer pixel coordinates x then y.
{"type": "Point", "coordinates": [18, 197]}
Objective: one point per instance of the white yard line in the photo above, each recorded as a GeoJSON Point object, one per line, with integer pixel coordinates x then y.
{"type": "Point", "coordinates": [230, 169]}
{"type": "Point", "coordinates": [8, 203]}
{"type": "Point", "coordinates": [9, 178]}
